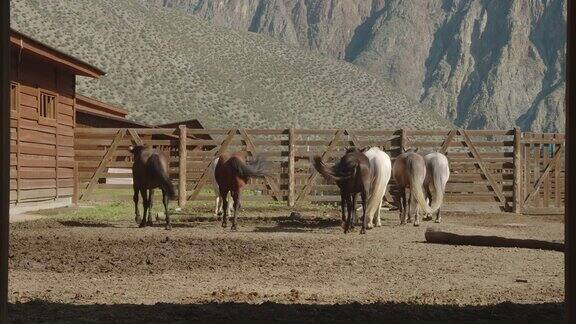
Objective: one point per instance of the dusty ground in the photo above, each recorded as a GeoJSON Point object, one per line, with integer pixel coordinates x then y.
{"type": "Point", "coordinates": [284, 269]}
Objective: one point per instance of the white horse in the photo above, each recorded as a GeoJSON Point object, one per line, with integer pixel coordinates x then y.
{"type": "Point", "coordinates": [437, 174]}
{"type": "Point", "coordinates": [381, 169]}
{"type": "Point", "coordinates": [219, 203]}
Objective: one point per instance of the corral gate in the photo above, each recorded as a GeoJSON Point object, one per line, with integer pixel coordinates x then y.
{"type": "Point", "coordinates": [496, 167]}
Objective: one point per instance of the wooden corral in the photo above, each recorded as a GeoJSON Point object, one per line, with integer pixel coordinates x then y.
{"type": "Point", "coordinates": [515, 171]}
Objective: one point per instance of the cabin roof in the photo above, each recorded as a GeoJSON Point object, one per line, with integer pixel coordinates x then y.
{"type": "Point", "coordinates": [30, 45]}
{"type": "Point", "coordinates": [96, 107]}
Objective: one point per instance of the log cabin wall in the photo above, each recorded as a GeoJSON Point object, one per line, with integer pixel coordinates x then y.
{"type": "Point", "coordinates": [42, 130]}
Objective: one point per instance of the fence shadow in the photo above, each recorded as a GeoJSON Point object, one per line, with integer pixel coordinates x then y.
{"type": "Point", "coordinates": [40, 311]}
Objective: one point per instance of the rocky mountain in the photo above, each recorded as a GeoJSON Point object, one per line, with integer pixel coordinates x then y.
{"type": "Point", "coordinates": [480, 63]}
{"type": "Point", "coordinates": [164, 65]}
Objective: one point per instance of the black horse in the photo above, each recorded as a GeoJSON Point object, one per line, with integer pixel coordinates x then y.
{"type": "Point", "coordinates": [352, 175]}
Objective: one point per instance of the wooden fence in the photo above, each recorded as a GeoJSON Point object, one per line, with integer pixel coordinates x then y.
{"type": "Point", "coordinates": [520, 172]}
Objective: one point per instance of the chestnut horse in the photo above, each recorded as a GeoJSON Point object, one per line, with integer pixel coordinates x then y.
{"type": "Point", "coordinates": [409, 171]}
{"type": "Point", "coordinates": [232, 173]}
{"type": "Point", "coordinates": [149, 171]}
{"type": "Point", "coordinates": [352, 175]}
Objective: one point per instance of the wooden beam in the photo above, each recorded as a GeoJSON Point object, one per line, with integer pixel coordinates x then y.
{"type": "Point", "coordinates": [447, 141]}
{"type": "Point", "coordinates": [312, 178]}
{"type": "Point", "coordinates": [135, 136]}
{"type": "Point", "coordinates": [103, 163]}
{"type": "Point", "coordinates": [251, 148]}
{"type": "Point", "coordinates": [480, 163]}
{"type": "Point", "coordinates": [518, 176]}
{"type": "Point", "coordinates": [544, 175]}
{"type": "Point", "coordinates": [291, 168]}
{"type": "Point", "coordinates": [182, 160]}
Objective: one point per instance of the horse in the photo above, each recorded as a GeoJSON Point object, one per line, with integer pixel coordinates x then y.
{"type": "Point", "coordinates": [232, 173]}
{"type": "Point", "coordinates": [149, 171]}
{"type": "Point", "coordinates": [380, 169]}
{"type": "Point", "coordinates": [352, 175]}
{"type": "Point", "coordinates": [409, 171]}
{"type": "Point", "coordinates": [437, 174]}
{"type": "Point", "coordinates": [219, 202]}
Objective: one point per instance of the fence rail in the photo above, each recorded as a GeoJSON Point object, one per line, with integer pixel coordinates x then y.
{"type": "Point", "coordinates": [519, 172]}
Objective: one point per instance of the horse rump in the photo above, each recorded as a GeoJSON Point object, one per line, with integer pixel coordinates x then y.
{"type": "Point", "coordinates": [162, 174]}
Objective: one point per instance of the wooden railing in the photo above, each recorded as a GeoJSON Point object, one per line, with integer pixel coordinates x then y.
{"type": "Point", "coordinates": [519, 172]}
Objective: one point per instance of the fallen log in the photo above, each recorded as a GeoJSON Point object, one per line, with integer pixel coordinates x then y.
{"type": "Point", "coordinates": [480, 237]}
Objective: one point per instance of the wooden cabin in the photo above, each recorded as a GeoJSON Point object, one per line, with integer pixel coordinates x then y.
{"type": "Point", "coordinates": [42, 120]}
{"type": "Point", "coordinates": [97, 114]}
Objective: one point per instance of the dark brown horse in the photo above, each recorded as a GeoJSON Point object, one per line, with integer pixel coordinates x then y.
{"type": "Point", "coordinates": [232, 173]}
{"type": "Point", "coordinates": [352, 175]}
{"type": "Point", "coordinates": [149, 171]}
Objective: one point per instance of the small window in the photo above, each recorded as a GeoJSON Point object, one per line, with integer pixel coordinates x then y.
{"type": "Point", "coordinates": [14, 96]}
{"type": "Point", "coordinates": [47, 105]}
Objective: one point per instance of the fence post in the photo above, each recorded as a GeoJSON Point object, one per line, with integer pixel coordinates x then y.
{"type": "Point", "coordinates": [182, 152]}
{"type": "Point", "coordinates": [518, 176]}
{"type": "Point", "coordinates": [291, 168]}
{"type": "Point", "coordinates": [402, 140]}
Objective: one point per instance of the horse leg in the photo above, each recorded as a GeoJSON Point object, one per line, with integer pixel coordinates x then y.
{"type": "Point", "coordinates": [402, 195]}
{"type": "Point", "coordinates": [165, 202]}
{"type": "Point", "coordinates": [236, 198]}
{"type": "Point", "coordinates": [217, 208]}
{"type": "Point", "coordinates": [409, 206]}
{"type": "Point", "coordinates": [363, 195]}
{"type": "Point", "coordinates": [349, 208]}
{"type": "Point", "coordinates": [224, 197]}
{"type": "Point", "coordinates": [353, 218]}
{"type": "Point", "coordinates": [150, 203]}
{"type": "Point", "coordinates": [378, 220]}
{"type": "Point", "coordinates": [416, 212]}
{"type": "Point", "coordinates": [438, 218]}
{"type": "Point", "coordinates": [343, 206]}
{"type": "Point", "coordinates": [137, 218]}
{"type": "Point", "coordinates": [144, 194]}
{"type": "Point", "coordinates": [429, 197]}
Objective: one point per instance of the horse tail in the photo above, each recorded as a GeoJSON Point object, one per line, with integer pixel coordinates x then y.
{"type": "Point", "coordinates": [162, 174]}
{"type": "Point", "coordinates": [416, 186]}
{"type": "Point", "coordinates": [212, 171]}
{"type": "Point", "coordinates": [258, 168]}
{"type": "Point", "coordinates": [381, 168]}
{"type": "Point", "coordinates": [331, 173]}
{"type": "Point", "coordinates": [439, 178]}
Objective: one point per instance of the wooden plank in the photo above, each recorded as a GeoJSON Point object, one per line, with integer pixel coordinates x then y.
{"type": "Point", "coordinates": [447, 141]}
{"type": "Point", "coordinates": [488, 175]}
{"type": "Point", "coordinates": [135, 136]}
{"type": "Point", "coordinates": [557, 184]}
{"type": "Point", "coordinates": [105, 161]}
{"type": "Point", "coordinates": [541, 178]}
{"type": "Point", "coordinates": [291, 168]}
{"type": "Point", "coordinates": [546, 184]}
{"type": "Point", "coordinates": [312, 179]}
{"type": "Point", "coordinates": [251, 148]}
{"type": "Point", "coordinates": [182, 166]}
{"type": "Point", "coordinates": [517, 207]}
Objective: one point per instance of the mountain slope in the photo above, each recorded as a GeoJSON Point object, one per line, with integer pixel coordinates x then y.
{"type": "Point", "coordinates": [164, 65]}
{"type": "Point", "coordinates": [482, 64]}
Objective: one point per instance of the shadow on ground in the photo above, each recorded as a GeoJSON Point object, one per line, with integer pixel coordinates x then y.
{"type": "Point", "coordinates": [38, 311]}
{"type": "Point", "coordinates": [293, 225]}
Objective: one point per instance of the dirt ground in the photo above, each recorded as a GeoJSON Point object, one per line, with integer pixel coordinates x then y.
{"type": "Point", "coordinates": [283, 269]}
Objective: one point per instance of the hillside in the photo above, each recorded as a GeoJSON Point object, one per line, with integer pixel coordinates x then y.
{"type": "Point", "coordinates": [481, 64]}
{"type": "Point", "coordinates": [164, 65]}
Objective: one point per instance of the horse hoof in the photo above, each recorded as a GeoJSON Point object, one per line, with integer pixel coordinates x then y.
{"type": "Point", "coordinates": [362, 231]}
{"type": "Point", "coordinates": [168, 227]}
{"type": "Point", "coordinates": [233, 228]}
{"type": "Point", "coordinates": [142, 225]}
{"type": "Point", "coordinates": [437, 221]}
{"type": "Point", "coordinates": [416, 224]}
{"type": "Point", "coordinates": [224, 225]}
{"type": "Point", "coordinates": [409, 221]}
{"type": "Point", "coordinates": [403, 223]}
{"type": "Point", "coordinates": [150, 224]}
